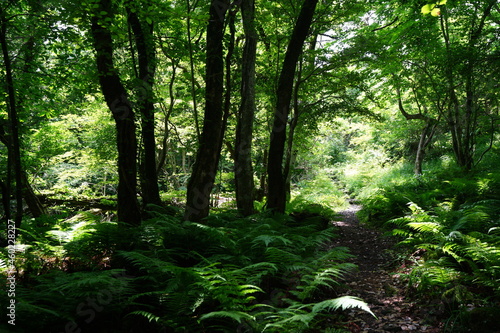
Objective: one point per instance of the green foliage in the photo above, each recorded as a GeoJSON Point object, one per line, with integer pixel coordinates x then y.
{"type": "Point", "coordinates": [461, 252]}
{"type": "Point", "coordinates": [321, 190]}
{"type": "Point", "coordinates": [75, 155]}
{"type": "Point", "coordinates": [229, 268]}
{"type": "Point", "coordinates": [300, 317]}
{"type": "Point", "coordinates": [56, 298]}
{"type": "Point", "coordinates": [264, 272]}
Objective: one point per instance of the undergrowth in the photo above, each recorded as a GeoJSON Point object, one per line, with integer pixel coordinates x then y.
{"type": "Point", "coordinates": [448, 224]}
{"type": "Point", "coordinates": [264, 273]}
{"type": "Point", "coordinates": [460, 265]}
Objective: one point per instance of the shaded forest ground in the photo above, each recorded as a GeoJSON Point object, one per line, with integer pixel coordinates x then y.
{"type": "Point", "coordinates": [378, 282]}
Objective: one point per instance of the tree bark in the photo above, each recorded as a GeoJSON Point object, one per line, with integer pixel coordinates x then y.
{"type": "Point", "coordinates": [244, 129]}
{"type": "Point", "coordinates": [205, 167]}
{"type": "Point", "coordinates": [14, 145]}
{"type": "Point", "coordinates": [123, 114]}
{"type": "Point", "coordinates": [425, 139]}
{"type": "Point", "coordinates": [192, 78]}
{"type": "Point", "coordinates": [146, 57]}
{"type": "Point", "coordinates": [277, 190]}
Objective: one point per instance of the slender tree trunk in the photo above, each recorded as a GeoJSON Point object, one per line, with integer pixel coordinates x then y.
{"type": "Point", "coordinates": [425, 136]}
{"type": "Point", "coordinates": [14, 144]}
{"type": "Point", "coordinates": [205, 168]}
{"type": "Point", "coordinates": [191, 67]}
{"type": "Point", "coordinates": [228, 84]}
{"type": "Point", "coordinates": [121, 108]}
{"type": "Point", "coordinates": [146, 56]}
{"type": "Point", "coordinates": [244, 129]}
{"type": "Point", "coordinates": [425, 140]}
{"type": "Point", "coordinates": [167, 112]}
{"type": "Point", "coordinates": [277, 190]}
{"type": "Point", "coordinates": [289, 154]}
{"type": "Point", "coordinates": [261, 192]}
{"type": "Point", "coordinates": [5, 200]}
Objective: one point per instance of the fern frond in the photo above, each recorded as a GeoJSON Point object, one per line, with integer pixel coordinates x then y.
{"type": "Point", "coordinates": [494, 230]}
{"type": "Point", "coordinates": [339, 253]}
{"type": "Point", "coordinates": [28, 307]}
{"type": "Point", "coordinates": [148, 315]}
{"type": "Point", "coordinates": [427, 227]}
{"type": "Point", "coordinates": [235, 315]}
{"type": "Point", "coordinates": [343, 303]}
{"type": "Point", "coordinates": [281, 257]}
{"type": "Point", "coordinates": [400, 221]}
{"type": "Point", "coordinates": [268, 239]}
{"type": "Point", "coordinates": [471, 221]}
{"type": "Point", "coordinates": [399, 232]}
{"type": "Point", "coordinates": [293, 318]}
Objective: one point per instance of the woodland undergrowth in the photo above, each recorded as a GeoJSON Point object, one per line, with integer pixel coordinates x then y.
{"type": "Point", "coordinates": [264, 273]}
{"type": "Point", "coordinates": [448, 225]}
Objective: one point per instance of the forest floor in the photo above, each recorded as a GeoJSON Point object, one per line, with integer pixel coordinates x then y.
{"type": "Point", "coordinates": [377, 281]}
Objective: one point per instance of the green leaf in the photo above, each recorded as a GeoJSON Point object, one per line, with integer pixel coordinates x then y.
{"type": "Point", "coordinates": [427, 8]}
{"type": "Point", "coordinates": [442, 2]}
{"type": "Point", "coordinates": [436, 12]}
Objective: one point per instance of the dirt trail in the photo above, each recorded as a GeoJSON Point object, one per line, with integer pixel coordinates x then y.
{"type": "Point", "coordinates": [375, 284]}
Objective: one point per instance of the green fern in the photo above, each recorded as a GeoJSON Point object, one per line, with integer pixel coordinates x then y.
{"type": "Point", "coordinates": [343, 303]}
{"type": "Point", "coordinates": [298, 317]}
{"type": "Point", "coordinates": [235, 315]}
{"type": "Point", "coordinates": [458, 243]}
{"type": "Point", "coordinates": [148, 315]}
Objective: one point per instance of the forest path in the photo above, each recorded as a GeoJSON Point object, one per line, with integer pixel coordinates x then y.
{"type": "Point", "coordinates": [375, 283]}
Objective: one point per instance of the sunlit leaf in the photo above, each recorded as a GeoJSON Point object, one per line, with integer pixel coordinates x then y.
{"type": "Point", "coordinates": [427, 8]}
{"type": "Point", "coordinates": [442, 2]}
{"type": "Point", "coordinates": [436, 12]}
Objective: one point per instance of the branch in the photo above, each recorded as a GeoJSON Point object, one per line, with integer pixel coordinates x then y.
{"type": "Point", "coordinates": [406, 114]}
{"type": "Point", "coordinates": [387, 25]}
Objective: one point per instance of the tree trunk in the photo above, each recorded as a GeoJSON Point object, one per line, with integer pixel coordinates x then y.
{"type": "Point", "coordinates": [462, 118]}
{"type": "Point", "coordinates": [146, 56]}
{"type": "Point", "coordinates": [166, 113]}
{"type": "Point", "coordinates": [277, 190]}
{"type": "Point", "coordinates": [427, 132]}
{"type": "Point", "coordinates": [289, 153]}
{"type": "Point", "coordinates": [192, 78]}
{"type": "Point", "coordinates": [32, 201]}
{"type": "Point", "coordinates": [5, 200]}
{"type": "Point", "coordinates": [244, 129]}
{"type": "Point", "coordinates": [14, 145]}
{"type": "Point", "coordinates": [425, 140]}
{"type": "Point", "coordinates": [205, 167]}
{"type": "Point", "coordinates": [121, 108]}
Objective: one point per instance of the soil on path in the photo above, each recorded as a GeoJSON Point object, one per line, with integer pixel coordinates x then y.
{"type": "Point", "coordinates": [376, 283]}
